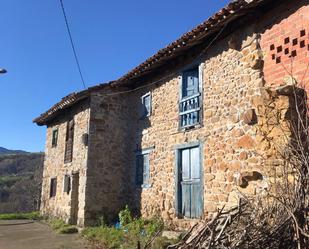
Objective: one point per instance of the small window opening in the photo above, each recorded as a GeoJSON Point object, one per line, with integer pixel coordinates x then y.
{"type": "Point", "coordinates": [53, 187]}
{"type": "Point", "coordinates": [54, 138]}
{"type": "Point", "coordinates": [142, 177]}
{"type": "Point", "coordinates": [146, 105]}
{"type": "Point", "coordinates": [67, 184]}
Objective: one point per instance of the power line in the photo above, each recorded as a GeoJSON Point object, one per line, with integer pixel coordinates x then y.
{"type": "Point", "coordinates": [72, 44]}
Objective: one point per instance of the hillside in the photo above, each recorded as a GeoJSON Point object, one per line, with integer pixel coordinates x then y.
{"type": "Point", "coordinates": [20, 180]}
{"type": "Point", "coordinates": [4, 151]}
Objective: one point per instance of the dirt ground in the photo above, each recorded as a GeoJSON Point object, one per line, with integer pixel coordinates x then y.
{"type": "Point", "coordinates": [23, 234]}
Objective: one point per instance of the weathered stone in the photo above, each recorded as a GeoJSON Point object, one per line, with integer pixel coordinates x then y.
{"type": "Point", "coordinates": [249, 117]}
{"type": "Point", "coordinates": [243, 155]}
{"type": "Point", "coordinates": [246, 142]}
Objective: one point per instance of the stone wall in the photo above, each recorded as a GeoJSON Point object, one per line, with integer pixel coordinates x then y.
{"type": "Point", "coordinates": [241, 121]}
{"type": "Point", "coordinates": [236, 156]}
{"type": "Point", "coordinates": [54, 166]}
{"type": "Point", "coordinates": [231, 78]}
{"type": "Point", "coordinates": [107, 191]}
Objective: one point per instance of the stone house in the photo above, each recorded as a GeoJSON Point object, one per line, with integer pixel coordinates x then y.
{"type": "Point", "coordinates": [180, 134]}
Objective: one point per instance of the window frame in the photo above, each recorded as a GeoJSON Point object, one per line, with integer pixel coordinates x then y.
{"type": "Point", "coordinates": [69, 141]}
{"type": "Point", "coordinates": [55, 138]}
{"type": "Point", "coordinates": [139, 154]}
{"type": "Point", "coordinates": [144, 115]}
{"type": "Point", "coordinates": [67, 186]}
{"type": "Point", "coordinates": [53, 187]}
{"type": "Point", "coordinates": [199, 67]}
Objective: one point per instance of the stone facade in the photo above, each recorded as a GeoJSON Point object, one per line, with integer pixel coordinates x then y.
{"type": "Point", "coordinates": [242, 117]}
{"type": "Point", "coordinates": [54, 166]}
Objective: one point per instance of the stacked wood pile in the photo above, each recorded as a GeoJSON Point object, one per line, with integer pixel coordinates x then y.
{"type": "Point", "coordinates": [253, 224]}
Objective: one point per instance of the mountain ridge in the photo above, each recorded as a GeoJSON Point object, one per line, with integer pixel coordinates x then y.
{"type": "Point", "coordinates": [5, 151]}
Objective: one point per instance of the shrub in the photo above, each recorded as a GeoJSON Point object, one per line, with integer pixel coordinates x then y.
{"type": "Point", "coordinates": [67, 229]}
{"type": "Point", "coordinates": [128, 235]}
{"type": "Point", "coordinates": [109, 236]}
{"type": "Point", "coordinates": [61, 227]}
{"type": "Point", "coordinates": [125, 216]}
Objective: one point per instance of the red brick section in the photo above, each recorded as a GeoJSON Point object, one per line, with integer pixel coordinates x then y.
{"type": "Point", "coordinates": [286, 45]}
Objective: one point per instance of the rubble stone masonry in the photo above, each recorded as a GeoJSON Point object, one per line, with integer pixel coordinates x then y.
{"type": "Point", "coordinates": [243, 112]}
{"type": "Point", "coordinates": [54, 166]}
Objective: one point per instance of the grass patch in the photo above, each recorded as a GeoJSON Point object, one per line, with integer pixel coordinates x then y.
{"type": "Point", "coordinates": [61, 227]}
{"type": "Point", "coordinates": [21, 216]}
{"type": "Point", "coordinates": [127, 236]}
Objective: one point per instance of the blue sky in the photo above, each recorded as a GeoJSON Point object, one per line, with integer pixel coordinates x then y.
{"type": "Point", "coordinates": [111, 37]}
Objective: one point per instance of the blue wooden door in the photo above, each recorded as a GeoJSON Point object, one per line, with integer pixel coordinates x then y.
{"type": "Point", "coordinates": [191, 204]}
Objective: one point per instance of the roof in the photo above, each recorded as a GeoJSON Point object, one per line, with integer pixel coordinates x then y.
{"type": "Point", "coordinates": [233, 10]}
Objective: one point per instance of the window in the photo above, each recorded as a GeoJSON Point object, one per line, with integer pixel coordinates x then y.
{"type": "Point", "coordinates": [67, 184]}
{"type": "Point", "coordinates": [190, 106]}
{"type": "Point", "coordinates": [146, 105]}
{"type": "Point", "coordinates": [142, 170]}
{"type": "Point", "coordinates": [53, 187]}
{"type": "Point", "coordinates": [54, 138]}
{"type": "Point", "coordinates": [68, 155]}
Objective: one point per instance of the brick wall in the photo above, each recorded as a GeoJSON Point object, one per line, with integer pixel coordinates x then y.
{"type": "Point", "coordinates": [285, 43]}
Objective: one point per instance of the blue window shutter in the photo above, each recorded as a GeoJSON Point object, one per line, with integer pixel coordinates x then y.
{"type": "Point", "coordinates": [190, 83]}
{"type": "Point", "coordinates": [139, 170]}
{"type": "Point", "coordinates": [142, 170]}
{"type": "Point", "coordinates": [146, 172]}
{"type": "Point", "coordinates": [147, 104]}
{"type": "Point", "coordinates": [190, 103]}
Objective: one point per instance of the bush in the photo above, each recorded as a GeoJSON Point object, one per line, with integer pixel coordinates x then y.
{"type": "Point", "coordinates": [125, 216]}
{"type": "Point", "coordinates": [128, 235]}
{"type": "Point", "coordinates": [61, 227]}
{"type": "Point", "coordinates": [21, 216]}
{"type": "Point", "coordinates": [109, 236]}
{"type": "Point", "coordinates": [67, 229]}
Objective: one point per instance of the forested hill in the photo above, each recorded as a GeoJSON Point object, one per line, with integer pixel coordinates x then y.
{"type": "Point", "coordinates": [20, 180]}
{"type": "Point", "coordinates": [4, 151]}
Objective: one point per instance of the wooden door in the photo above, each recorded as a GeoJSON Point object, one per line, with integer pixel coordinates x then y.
{"type": "Point", "coordinates": [190, 183]}
{"type": "Point", "coordinates": [74, 199]}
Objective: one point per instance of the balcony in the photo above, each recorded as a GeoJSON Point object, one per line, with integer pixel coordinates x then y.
{"type": "Point", "coordinates": [189, 111]}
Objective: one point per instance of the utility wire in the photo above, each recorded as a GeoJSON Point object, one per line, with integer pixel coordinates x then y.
{"type": "Point", "coordinates": [72, 44]}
